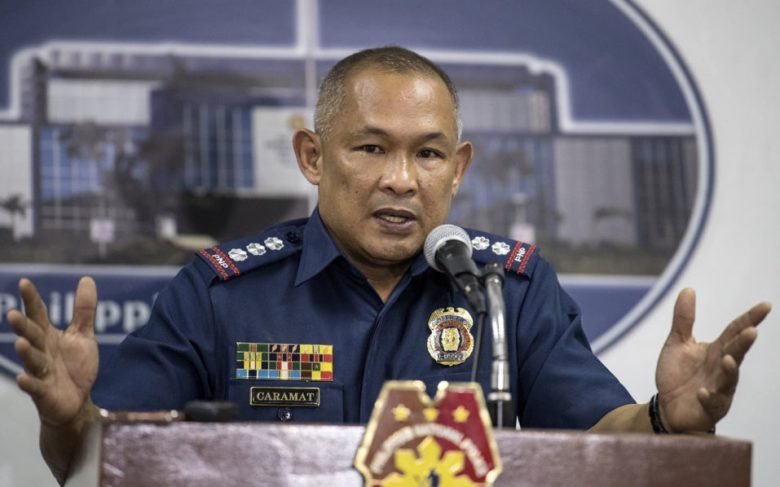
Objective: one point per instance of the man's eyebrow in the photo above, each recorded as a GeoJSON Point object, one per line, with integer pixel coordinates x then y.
{"type": "Point", "coordinates": [370, 130]}
{"type": "Point", "coordinates": [435, 136]}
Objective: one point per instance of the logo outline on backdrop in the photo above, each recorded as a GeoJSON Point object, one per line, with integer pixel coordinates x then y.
{"type": "Point", "coordinates": [685, 82]}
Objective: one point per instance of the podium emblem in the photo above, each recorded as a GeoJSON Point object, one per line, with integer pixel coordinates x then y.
{"type": "Point", "coordinates": [412, 440]}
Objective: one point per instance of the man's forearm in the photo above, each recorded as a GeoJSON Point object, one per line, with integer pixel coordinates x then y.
{"type": "Point", "coordinates": [628, 418]}
{"type": "Point", "coordinates": [59, 443]}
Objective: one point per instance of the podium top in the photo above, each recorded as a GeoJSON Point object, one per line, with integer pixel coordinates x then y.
{"type": "Point", "coordinates": [192, 454]}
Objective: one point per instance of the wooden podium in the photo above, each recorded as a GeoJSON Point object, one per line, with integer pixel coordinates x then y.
{"type": "Point", "coordinates": [142, 453]}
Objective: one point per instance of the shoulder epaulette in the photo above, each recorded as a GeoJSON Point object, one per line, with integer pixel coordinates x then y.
{"type": "Point", "coordinates": [516, 257]}
{"type": "Point", "coordinates": [232, 259]}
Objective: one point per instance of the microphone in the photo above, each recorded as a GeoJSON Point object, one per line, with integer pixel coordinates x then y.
{"type": "Point", "coordinates": [448, 250]}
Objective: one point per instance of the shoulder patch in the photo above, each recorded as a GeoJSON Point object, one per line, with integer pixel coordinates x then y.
{"type": "Point", "coordinates": [517, 257]}
{"type": "Point", "coordinates": [231, 259]}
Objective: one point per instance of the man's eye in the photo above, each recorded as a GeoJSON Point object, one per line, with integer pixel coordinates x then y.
{"type": "Point", "coordinates": [370, 149]}
{"type": "Point", "coordinates": [428, 154]}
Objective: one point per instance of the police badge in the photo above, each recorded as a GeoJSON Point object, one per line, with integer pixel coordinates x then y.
{"type": "Point", "coordinates": [450, 342]}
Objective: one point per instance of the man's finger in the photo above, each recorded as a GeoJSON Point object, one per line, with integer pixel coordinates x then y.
{"type": "Point", "coordinates": [25, 327]}
{"type": "Point", "coordinates": [34, 361]}
{"type": "Point", "coordinates": [751, 317]}
{"type": "Point", "coordinates": [84, 307]}
{"type": "Point", "coordinates": [726, 380]}
{"type": "Point", "coordinates": [740, 344]}
{"type": "Point", "coordinates": [29, 384]}
{"type": "Point", "coordinates": [716, 405]}
{"type": "Point", "coordinates": [684, 314]}
{"type": "Point", "coordinates": [34, 307]}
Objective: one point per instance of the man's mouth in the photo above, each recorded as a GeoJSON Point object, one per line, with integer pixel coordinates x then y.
{"type": "Point", "coordinates": [395, 216]}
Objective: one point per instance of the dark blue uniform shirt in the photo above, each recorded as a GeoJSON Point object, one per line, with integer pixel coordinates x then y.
{"type": "Point", "coordinates": [292, 285]}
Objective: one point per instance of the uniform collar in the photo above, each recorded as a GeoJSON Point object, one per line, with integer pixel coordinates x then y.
{"type": "Point", "coordinates": [319, 251]}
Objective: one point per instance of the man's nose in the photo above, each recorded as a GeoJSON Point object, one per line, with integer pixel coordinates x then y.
{"type": "Point", "coordinates": [400, 175]}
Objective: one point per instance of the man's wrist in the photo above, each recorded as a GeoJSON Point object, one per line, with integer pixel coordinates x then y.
{"type": "Point", "coordinates": [656, 420]}
{"type": "Point", "coordinates": [60, 442]}
{"type": "Point", "coordinates": [654, 412]}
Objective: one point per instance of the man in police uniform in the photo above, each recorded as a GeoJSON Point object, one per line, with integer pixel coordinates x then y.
{"type": "Point", "coordinates": [306, 320]}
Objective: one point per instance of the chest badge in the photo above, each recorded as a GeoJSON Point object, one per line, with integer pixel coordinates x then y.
{"type": "Point", "coordinates": [450, 342]}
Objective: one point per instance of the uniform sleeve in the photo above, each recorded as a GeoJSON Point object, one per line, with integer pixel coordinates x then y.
{"type": "Point", "coordinates": [170, 360]}
{"type": "Point", "coordinates": [562, 383]}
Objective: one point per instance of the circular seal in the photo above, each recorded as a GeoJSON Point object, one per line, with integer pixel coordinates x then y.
{"type": "Point", "coordinates": [450, 342]}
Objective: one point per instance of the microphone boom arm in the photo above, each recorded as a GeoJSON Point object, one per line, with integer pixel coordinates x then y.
{"type": "Point", "coordinates": [500, 397]}
{"type": "Point", "coordinates": [448, 249]}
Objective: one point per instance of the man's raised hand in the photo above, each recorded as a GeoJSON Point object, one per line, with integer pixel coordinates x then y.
{"type": "Point", "coordinates": [60, 366]}
{"type": "Point", "coordinates": [696, 381]}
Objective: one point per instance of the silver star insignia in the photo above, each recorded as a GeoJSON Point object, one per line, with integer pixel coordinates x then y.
{"type": "Point", "coordinates": [255, 249]}
{"type": "Point", "coordinates": [500, 248]}
{"type": "Point", "coordinates": [274, 243]}
{"type": "Point", "coordinates": [480, 243]}
{"type": "Point", "coordinates": [237, 255]}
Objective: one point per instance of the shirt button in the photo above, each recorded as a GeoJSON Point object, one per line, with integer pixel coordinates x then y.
{"type": "Point", "coordinates": [292, 237]}
{"type": "Point", "coordinates": [285, 414]}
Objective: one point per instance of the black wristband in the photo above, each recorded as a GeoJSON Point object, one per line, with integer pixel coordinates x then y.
{"type": "Point", "coordinates": [655, 417]}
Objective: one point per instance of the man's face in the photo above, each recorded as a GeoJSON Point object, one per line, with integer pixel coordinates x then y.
{"type": "Point", "coordinates": [390, 166]}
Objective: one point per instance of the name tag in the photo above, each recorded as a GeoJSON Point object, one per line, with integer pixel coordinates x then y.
{"type": "Point", "coordinates": [284, 396]}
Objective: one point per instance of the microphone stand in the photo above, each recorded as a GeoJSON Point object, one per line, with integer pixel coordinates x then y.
{"type": "Point", "coordinates": [499, 400]}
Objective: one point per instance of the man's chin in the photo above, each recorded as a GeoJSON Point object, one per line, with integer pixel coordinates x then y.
{"type": "Point", "coordinates": [399, 254]}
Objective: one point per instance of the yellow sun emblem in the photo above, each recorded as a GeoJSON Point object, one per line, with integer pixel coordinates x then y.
{"type": "Point", "coordinates": [429, 469]}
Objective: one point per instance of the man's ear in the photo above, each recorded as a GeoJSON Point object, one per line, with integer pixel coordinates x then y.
{"type": "Point", "coordinates": [308, 151]}
{"type": "Point", "coordinates": [463, 155]}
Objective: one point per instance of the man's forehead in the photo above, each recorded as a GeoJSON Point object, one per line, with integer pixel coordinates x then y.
{"type": "Point", "coordinates": [370, 91]}
{"type": "Point", "coordinates": [368, 78]}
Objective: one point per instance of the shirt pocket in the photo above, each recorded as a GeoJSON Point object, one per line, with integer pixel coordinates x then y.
{"type": "Point", "coordinates": [287, 408]}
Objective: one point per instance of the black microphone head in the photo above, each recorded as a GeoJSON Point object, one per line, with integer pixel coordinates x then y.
{"type": "Point", "coordinates": [440, 236]}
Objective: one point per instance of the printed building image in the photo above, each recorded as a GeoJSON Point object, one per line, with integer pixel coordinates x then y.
{"type": "Point", "coordinates": [576, 194]}
{"type": "Point", "coordinates": [122, 149]}
{"type": "Point", "coordinates": [15, 183]}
